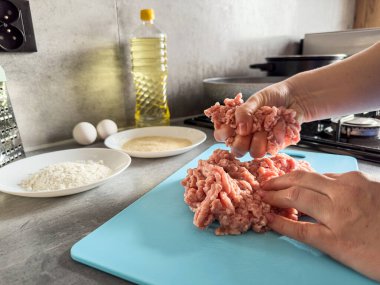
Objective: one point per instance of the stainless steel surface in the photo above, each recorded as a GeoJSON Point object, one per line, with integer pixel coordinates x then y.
{"type": "Point", "coordinates": [348, 42]}
{"type": "Point", "coordinates": [219, 88]}
{"type": "Point", "coordinates": [357, 121]}
{"type": "Point", "coordinates": [359, 131]}
{"type": "Point", "coordinates": [357, 126]}
{"type": "Point", "coordinates": [11, 147]}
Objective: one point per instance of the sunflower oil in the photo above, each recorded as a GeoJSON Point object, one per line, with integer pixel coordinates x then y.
{"type": "Point", "coordinates": [150, 73]}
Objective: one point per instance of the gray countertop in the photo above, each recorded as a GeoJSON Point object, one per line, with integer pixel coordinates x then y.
{"type": "Point", "coordinates": [36, 234]}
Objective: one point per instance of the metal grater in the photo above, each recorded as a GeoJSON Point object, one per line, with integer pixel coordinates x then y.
{"type": "Point", "coordinates": [11, 147]}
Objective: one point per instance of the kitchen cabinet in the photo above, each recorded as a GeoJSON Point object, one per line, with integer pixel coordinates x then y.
{"type": "Point", "coordinates": [367, 14]}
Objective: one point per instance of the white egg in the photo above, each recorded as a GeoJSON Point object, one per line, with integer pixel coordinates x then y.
{"type": "Point", "coordinates": [84, 133]}
{"type": "Point", "coordinates": [106, 128]}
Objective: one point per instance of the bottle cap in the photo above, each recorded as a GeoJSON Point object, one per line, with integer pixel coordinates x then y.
{"type": "Point", "coordinates": [147, 14]}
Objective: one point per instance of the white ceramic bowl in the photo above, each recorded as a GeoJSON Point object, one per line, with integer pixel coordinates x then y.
{"type": "Point", "coordinates": [117, 140]}
{"type": "Point", "coordinates": [12, 174]}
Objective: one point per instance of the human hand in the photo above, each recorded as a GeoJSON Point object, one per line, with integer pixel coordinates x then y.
{"type": "Point", "coordinates": [346, 208]}
{"type": "Point", "coordinates": [280, 94]}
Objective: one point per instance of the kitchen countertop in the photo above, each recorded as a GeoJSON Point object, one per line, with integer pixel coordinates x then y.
{"type": "Point", "coordinates": [36, 234]}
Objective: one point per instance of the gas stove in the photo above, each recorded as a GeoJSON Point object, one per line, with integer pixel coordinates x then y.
{"type": "Point", "coordinates": [355, 135]}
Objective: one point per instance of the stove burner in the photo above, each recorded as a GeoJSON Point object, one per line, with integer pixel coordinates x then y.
{"type": "Point", "coordinates": [374, 141]}
{"type": "Point", "coordinates": [353, 121]}
{"type": "Point", "coordinates": [357, 126]}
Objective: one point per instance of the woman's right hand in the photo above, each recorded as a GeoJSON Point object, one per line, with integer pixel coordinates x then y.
{"type": "Point", "coordinates": [280, 94]}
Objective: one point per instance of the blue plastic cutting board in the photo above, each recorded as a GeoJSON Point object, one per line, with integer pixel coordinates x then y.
{"type": "Point", "coordinates": [154, 241]}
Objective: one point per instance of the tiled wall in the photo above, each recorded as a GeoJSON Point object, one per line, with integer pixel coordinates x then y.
{"type": "Point", "coordinates": [81, 69]}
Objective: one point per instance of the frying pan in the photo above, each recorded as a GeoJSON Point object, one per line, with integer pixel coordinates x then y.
{"type": "Point", "coordinates": [292, 64]}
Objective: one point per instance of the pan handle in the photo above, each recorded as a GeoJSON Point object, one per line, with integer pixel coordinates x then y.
{"type": "Point", "coordinates": [263, 66]}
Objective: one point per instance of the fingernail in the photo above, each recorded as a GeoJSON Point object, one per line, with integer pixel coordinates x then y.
{"type": "Point", "coordinates": [270, 217]}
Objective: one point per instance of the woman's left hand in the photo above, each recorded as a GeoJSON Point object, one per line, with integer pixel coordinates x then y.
{"type": "Point", "coordinates": [346, 208]}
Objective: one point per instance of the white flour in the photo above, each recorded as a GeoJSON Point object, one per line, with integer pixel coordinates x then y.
{"type": "Point", "coordinates": [66, 175]}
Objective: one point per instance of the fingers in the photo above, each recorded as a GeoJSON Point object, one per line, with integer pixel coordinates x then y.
{"type": "Point", "coordinates": [279, 131]}
{"type": "Point", "coordinates": [243, 117]}
{"type": "Point", "coordinates": [312, 203]}
{"type": "Point", "coordinates": [223, 132]}
{"type": "Point", "coordinates": [289, 213]}
{"type": "Point", "coordinates": [314, 234]}
{"type": "Point", "coordinates": [258, 146]}
{"type": "Point", "coordinates": [304, 179]}
{"type": "Point", "coordinates": [240, 145]}
{"type": "Point", "coordinates": [244, 122]}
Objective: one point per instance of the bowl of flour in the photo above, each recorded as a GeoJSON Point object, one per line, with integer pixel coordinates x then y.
{"type": "Point", "coordinates": [62, 173]}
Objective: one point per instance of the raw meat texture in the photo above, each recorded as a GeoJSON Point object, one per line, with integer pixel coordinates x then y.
{"type": "Point", "coordinates": [224, 189]}
{"type": "Point", "coordinates": [280, 123]}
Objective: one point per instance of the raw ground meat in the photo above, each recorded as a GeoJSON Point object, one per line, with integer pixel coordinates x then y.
{"type": "Point", "coordinates": [280, 123]}
{"type": "Point", "coordinates": [224, 189]}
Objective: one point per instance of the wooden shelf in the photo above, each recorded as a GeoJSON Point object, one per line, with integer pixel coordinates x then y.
{"type": "Point", "coordinates": [367, 14]}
